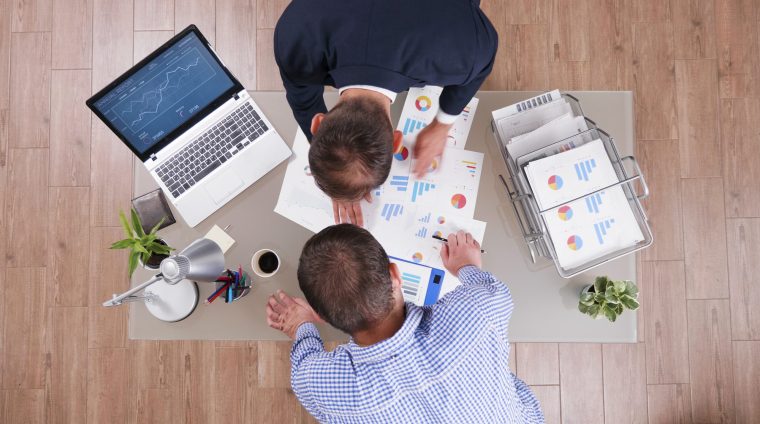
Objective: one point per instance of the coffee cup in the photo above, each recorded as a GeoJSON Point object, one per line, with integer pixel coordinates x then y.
{"type": "Point", "coordinates": [265, 263]}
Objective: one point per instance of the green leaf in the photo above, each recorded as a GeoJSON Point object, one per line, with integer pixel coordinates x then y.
{"type": "Point", "coordinates": [157, 226]}
{"type": "Point", "coordinates": [133, 256]}
{"type": "Point", "coordinates": [631, 289]}
{"type": "Point", "coordinates": [610, 286]}
{"type": "Point", "coordinates": [618, 309]}
{"type": "Point", "coordinates": [599, 284]}
{"type": "Point", "coordinates": [122, 244]}
{"type": "Point", "coordinates": [583, 308]}
{"type": "Point", "coordinates": [159, 248]}
{"type": "Point", "coordinates": [599, 298]}
{"type": "Point", "coordinates": [136, 223]}
{"type": "Point", "coordinates": [127, 231]}
{"type": "Point", "coordinates": [610, 314]}
{"type": "Point", "coordinates": [145, 257]}
{"type": "Point", "coordinates": [619, 287]}
{"type": "Point", "coordinates": [593, 311]}
{"type": "Point", "coordinates": [137, 247]}
{"type": "Point", "coordinates": [587, 298]}
{"type": "Point", "coordinates": [629, 302]}
{"type": "Point", "coordinates": [611, 297]}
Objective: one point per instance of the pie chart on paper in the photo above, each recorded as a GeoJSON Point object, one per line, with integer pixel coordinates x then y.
{"type": "Point", "coordinates": [575, 242]}
{"type": "Point", "coordinates": [423, 103]}
{"type": "Point", "coordinates": [565, 213]}
{"type": "Point", "coordinates": [458, 201]}
{"type": "Point", "coordinates": [402, 155]}
{"type": "Point", "coordinates": [555, 182]}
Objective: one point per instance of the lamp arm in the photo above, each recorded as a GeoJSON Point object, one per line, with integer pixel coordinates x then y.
{"type": "Point", "coordinates": [117, 300]}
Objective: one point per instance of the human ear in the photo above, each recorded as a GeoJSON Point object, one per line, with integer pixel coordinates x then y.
{"type": "Point", "coordinates": [316, 121]}
{"type": "Point", "coordinates": [395, 276]}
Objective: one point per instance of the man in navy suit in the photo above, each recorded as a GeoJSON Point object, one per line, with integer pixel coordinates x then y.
{"type": "Point", "coordinates": [370, 50]}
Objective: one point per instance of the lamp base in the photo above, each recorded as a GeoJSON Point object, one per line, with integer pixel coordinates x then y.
{"type": "Point", "coordinates": [172, 302]}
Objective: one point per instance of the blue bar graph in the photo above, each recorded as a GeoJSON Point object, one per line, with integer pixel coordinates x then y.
{"type": "Point", "coordinates": [391, 210]}
{"type": "Point", "coordinates": [593, 202]}
{"type": "Point", "coordinates": [425, 219]}
{"type": "Point", "coordinates": [421, 233]}
{"type": "Point", "coordinates": [420, 188]}
{"type": "Point", "coordinates": [601, 228]}
{"type": "Point", "coordinates": [583, 169]}
{"type": "Point", "coordinates": [401, 182]}
{"type": "Point", "coordinates": [410, 284]}
{"type": "Point", "coordinates": [412, 125]}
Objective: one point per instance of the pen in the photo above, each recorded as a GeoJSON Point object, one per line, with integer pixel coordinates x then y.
{"type": "Point", "coordinates": [446, 241]}
{"type": "Point", "coordinates": [217, 293]}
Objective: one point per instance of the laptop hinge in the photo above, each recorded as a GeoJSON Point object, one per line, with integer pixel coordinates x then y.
{"type": "Point", "coordinates": [153, 156]}
{"type": "Point", "coordinates": [237, 96]}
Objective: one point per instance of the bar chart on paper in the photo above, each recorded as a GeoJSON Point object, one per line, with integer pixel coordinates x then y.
{"type": "Point", "coordinates": [410, 285]}
{"type": "Point", "coordinates": [601, 227]}
{"type": "Point", "coordinates": [420, 188]}
{"type": "Point", "coordinates": [583, 169]}
{"type": "Point", "coordinates": [413, 125]}
{"type": "Point", "coordinates": [392, 210]}
{"type": "Point", "coordinates": [400, 182]}
{"type": "Point", "coordinates": [593, 202]}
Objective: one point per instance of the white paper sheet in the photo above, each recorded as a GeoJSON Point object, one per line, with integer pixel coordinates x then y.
{"type": "Point", "coordinates": [558, 129]}
{"type": "Point", "coordinates": [420, 109]}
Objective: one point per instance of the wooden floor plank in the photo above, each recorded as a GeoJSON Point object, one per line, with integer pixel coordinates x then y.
{"type": "Point", "coordinates": [743, 266]}
{"type": "Point", "coordinates": [154, 15]}
{"type": "Point", "coordinates": [235, 29]}
{"type": "Point", "coordinates": [570, 75]}
{"type": "Point", "coordinates": [72, 34]}
{"type": "Point", "coordinates": [669, 404]}
{"type": "Point", "coordinates": [625, 383]}
{"type": "Point", "coordinates": [158, 406]}
{"type": "Point", "coordinates": [26, 204]}
{"type": "Point", "coordinates": [526, 11]}
{"type": "Point", "coordinates": [30, 90]}
{"type": "Point", "coordinates": [569, 32]}
{"type": "Point", "coordinates": [32, 15]}
{"type": "Point", "coordinates": [663, 304]}
{"type": "Point", "coordinates": [710, 361]}
{"type": "Point", "coordinates": [5, 79]}
{"type": "Point", "coordinates": [273, 405]}
{"type": "Point", "coordinates": [611, 55]}
{"type": "Point", "coordinates": [740, 139]}
{"type": "Point", "coordinates": [658, 11]}
{"type": "Point", "coordinates": [107, 388]}
{"type": "Point", "coordinates": [107, 327]}
{"type": "Point", "coordinates": [69, 238]}
{"type": "Point", "coordinates": [201, 13]}
{"type": "Point", "coordinates": [500, 74]}
{"type": "Point", "coordinates": [581, 388]}
{"type": "Point", "coordinates": [70, 128]}
{"type": "Point", "coordinates": [747, 374]}
{"type": "Point", "coordinates": [147, 41]}
{"type": "Point", "coordinates": [232, 383]}
{"type": "Point", "coordinates": [67, 385]}
{"type": "Point", "coordinates": [659, 163]}
{"type": "Point", "coordinates": [527, 57]}
{"type": "Point", "coordinates": [24, 342]}
{"type": "Point", "coordinates": [697, 102]}
{"type": "Point", "coordinates": [22, 406]}
{"type": "Point", "coordinates": [268, 12]}
{"type": "Point", "coordinates": [654, 81]}
{"type": "Point", "coordinates": [737, 47]}
{"type": "Point", "coordinates": [267, 72]}
{"type": "Point", "coordinates": [694, 29]}
{"type": "Point", "coordinates": [198, 390]}
{"type": "Point", "coordinates": [706, 263]}
{"type": "Point", "coordinates": [274, 364]}
{"type": "Point", "coordinates": [548, 398]}
{"type": "Point", "coordinates": [538, 363]}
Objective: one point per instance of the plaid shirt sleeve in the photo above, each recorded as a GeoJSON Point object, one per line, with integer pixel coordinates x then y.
{"type": "Point", "coordinates": [491, 296]}
{"type": "Point", "coordinates": [307, 345]}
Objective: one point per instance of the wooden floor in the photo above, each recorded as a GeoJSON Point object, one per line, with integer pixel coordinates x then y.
{"type": "Point", "coordinates": [694, 66]}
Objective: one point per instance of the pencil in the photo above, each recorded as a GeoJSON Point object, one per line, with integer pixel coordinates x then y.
{"type": "Point", "coordinates": [446, 241]}
{"type": "Point", "coordinates": [217, 293]}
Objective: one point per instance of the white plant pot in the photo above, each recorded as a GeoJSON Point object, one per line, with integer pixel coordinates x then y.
{"type": "Point", "coordinates": [151, 267]}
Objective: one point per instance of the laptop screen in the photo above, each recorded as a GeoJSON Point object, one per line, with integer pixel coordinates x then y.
{"type": "Point", "coordinates": [164, 93]}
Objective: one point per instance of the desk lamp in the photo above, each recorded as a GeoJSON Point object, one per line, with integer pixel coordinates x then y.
{"type": "Point", "coordinates": [172, 294]}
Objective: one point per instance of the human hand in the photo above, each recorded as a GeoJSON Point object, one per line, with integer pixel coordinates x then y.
{"type": "Point", "coordinates": [460, 250]}
{"type": "Point", "coordinates": [349, 212]}
{"type": "Point", "coordinates": [429, 145]}
{"type": "Point", "coordinates": [287, 313]}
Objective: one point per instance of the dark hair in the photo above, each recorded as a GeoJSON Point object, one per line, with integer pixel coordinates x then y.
{"type": "Point", "coordinates": [352, 151]}
{"type": "Point", "coordinates": [343, 272]}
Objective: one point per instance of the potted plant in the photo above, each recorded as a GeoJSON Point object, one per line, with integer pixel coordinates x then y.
{"type": "Point", "coordinates": [147, 249]}
{"type": "Point", "coordinates": [608, 298]}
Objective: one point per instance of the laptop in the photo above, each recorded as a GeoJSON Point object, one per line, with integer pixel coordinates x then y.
{"type": "Point", "coordinates": [190, 121]}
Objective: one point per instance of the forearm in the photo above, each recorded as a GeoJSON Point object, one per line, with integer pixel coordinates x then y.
{"type": "Point", "coordinates": [306, 343]}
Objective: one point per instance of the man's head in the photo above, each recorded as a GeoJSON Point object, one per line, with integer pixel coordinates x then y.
{"type": "Point", "coordinates": [352, 148]}
{"type": "Point", "coordinates": [347, 278]}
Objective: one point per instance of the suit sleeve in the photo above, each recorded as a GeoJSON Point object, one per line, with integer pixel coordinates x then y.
{"type": "Point", "coordinates": [305, 100]}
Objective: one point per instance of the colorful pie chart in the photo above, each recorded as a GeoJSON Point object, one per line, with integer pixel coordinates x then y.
{"type": "Point", "coordinates": [417, 257]}
{"type": "Point", "coordinates": [438, 234]}
{"type": "Point", "coordinates": [565, 213]}
{"type": "Point", "coordinates": [441, 220]}
{"type": "Point", "coordinates": [458, 201]}
{"type": "Point", "coordinates": [402, 155]}
{"type": "Point", "coordinates": [575, 242]}
{"type": "Point", "coordinates": [555, 182]}
{"type": "Point", "coordinates": [423, 103]}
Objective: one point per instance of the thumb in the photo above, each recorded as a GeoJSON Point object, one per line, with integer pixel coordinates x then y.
{"type": "Point", "coordinates": [284, 298]}
{"type": "Point", "coordinates": [445, 253]}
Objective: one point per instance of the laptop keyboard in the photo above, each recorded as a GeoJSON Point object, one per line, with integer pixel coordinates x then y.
{"type": "Point", "coordinates": [209, 151]}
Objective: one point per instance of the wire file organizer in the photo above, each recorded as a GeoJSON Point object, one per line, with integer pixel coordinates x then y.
{"type": "Point", "coordinates": [531, 217]}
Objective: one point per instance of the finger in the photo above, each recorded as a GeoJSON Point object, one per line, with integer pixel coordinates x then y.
{"type": "Point", "coordinates": [452, 238]}
{"type": "Point", "coordinates": [357, 210]}
{"type": "Point", "coordinates": [275, 305]}
{"type": "Point", "coordinates": [285, 299]}
{"type": "Point", "coordinates": [468, 238]}
{"type": "Point", "coordinates": [336, 212]}
{"type": "Point", "coordinates": [477, 244]}
{"type": "Point", "coordinates": [445, 253]}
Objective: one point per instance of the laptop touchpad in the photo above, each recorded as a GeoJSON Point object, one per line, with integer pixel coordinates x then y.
{"type": "Point", "coordinates": [222, 186]}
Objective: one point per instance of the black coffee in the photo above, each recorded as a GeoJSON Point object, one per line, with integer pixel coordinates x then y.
{"type": "Point", "coordinates": [268, 262]}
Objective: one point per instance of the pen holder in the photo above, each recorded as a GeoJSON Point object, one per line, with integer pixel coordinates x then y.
{"type": "Point", "coordinates": [239, 290]}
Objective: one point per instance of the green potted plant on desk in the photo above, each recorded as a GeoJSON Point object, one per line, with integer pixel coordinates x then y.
{"type": "Point", "coordinates": [145, 248]}
{"type": "Point", "coordinates": [608, 298]}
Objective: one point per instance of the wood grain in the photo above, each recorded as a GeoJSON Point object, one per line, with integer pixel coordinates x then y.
{"type": "Point", "coordinates": [663, 304]}
{"type": "Point", "coordinates": [737, 47]}
{"type": "Point", "coordinates": [26, 202]}
{"type": "Point", "coordinates": [198, 389]}
{"type": "Point", "coordinates": [538, 363]}
{"type": "Point", "coordinates": [268, 12]}
{"type": "Point", "coordinates": [743, 266]}
{"type": "Point", "coordinates": [570, 75]}
{"type": "Point", "coordinates": [625, 383]}
{"type": "Point", "coordinates": [274, 364]}
{"type": "Point", "coordinates": [694, 29]}
{"type": "Point", "coordinates": [32, 15]}
{"type": "Point", "coordinates": [70, 127]}
{"type": "Point", "coordinates": [24, 342]}
{"type": "Point", "coordinates": [659, 163]}
{"type": "Point", "coordinates": [581, 388]}
{"type": "Point", "coordinates": [107, 327]}
{"type": "Point", "coordinates": [548, 399]}
{"type": "Point", "coordinates": [154, 15]}
{"type": "Point", "coordinates": [5, 93]}
{"type": "Point", "coordinates": [650, 12]}
{"type": "Point", "coordinates": [271, 405]}
{"type": "Point", "coordinates": [499, 77]}
{"type": "Point", "coordinates": [747, 374]}
{"type": "Point", "coordinates": [611, 55]}
{"type": "Point", "coordinates": [72, 34]}
{"type": "Point", "coordinates": [697, 102]}
{"type": "Point", "coordinates": [267, 72]}
{"type": "Point", "coordinates": [706, 263]}
{"type": "Point", "coordinates": [67, 385]}
{"type": "Point", "coordinates": [231, 380]}
{"type": "Point", "coordinates": [69, 237]}
{"type": "Point", "coordinates": [710, 361]}
{"type": "Point", "coordinates": [30, 90]}
{"type": "Point", "coordinates": [147, 41]}
{"type": "Point", "coordinates": [201, 13]}
{"type": "Point", "coordinates": [654, 81]}
{"type": "Point", "coordinates": [108, 399]}
{"type": "Point", "coordinates": [158, 406]}
{"type": "Point", "coordinates": [527, 56]}
{"type": "Point", "coordinates": [740, 138]}
{"type": "Point", "coordinates": [22, 406]}
{"type": "Point", "coordinates": [570, 31]}
{"type": "Point", "coordinates": [669, 404]}
{"type": "Point", "coordinates": [526, 11]}
{"type": "Point", "coordinates": [236, 28]}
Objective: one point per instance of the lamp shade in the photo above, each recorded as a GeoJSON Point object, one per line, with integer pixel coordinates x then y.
{"type": "Point", "coordinates": [202, 260]}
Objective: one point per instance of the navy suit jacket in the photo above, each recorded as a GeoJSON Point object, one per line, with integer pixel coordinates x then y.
{"type": "Point", "coordinates": [393, 44]}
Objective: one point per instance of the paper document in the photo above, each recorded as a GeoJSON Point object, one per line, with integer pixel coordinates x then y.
{"type": "Point", "coordinates": [522, 123]}
{"type": "Point", "coordinates": [420, 284]}
{"type": "Point", "coordinates": [528, 104]}
{"type": "Point", "coordinates": [420, 109]}
{"type": "Point", "coordinates": [549, 134]}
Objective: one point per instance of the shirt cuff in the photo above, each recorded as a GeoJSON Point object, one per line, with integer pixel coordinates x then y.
{"type": "Point", "coordinates": [444, 118]}
{"type": "Point", "coordinates": [307, 329]}
{"type": "Point", "coordinates": [466, 273]}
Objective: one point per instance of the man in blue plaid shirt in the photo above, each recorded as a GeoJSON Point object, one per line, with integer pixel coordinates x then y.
{"type": "Point", "coordinates": [444, 363]}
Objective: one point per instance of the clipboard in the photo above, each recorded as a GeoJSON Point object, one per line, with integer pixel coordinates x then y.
{"type": "Point", "coordinates": [420, 284]}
